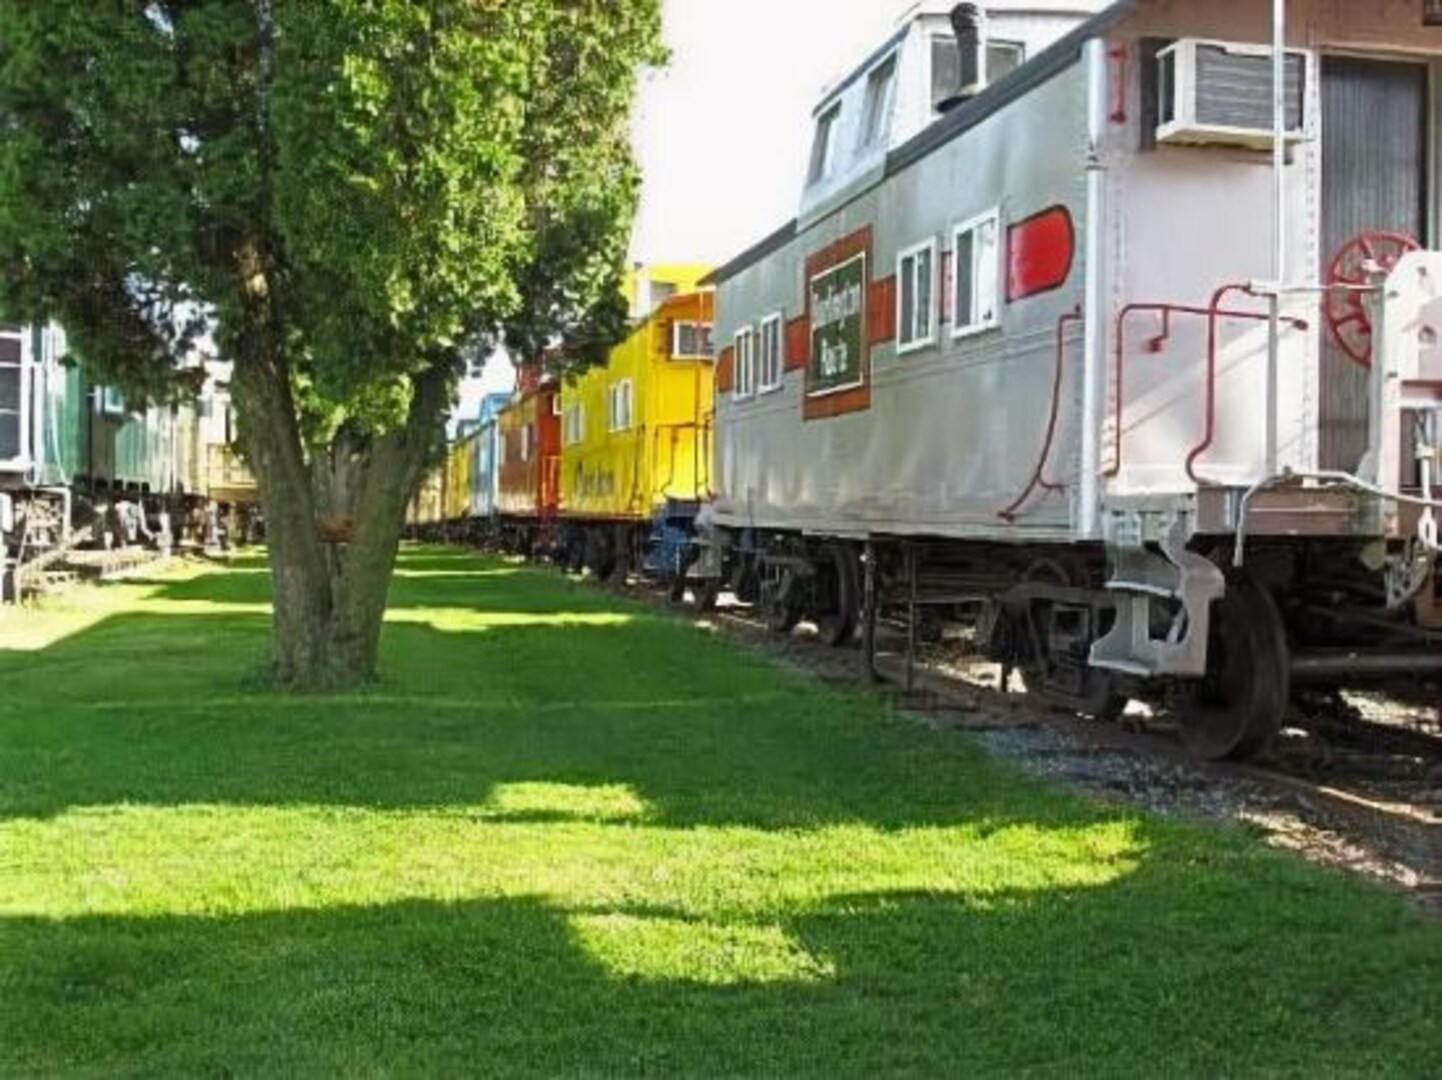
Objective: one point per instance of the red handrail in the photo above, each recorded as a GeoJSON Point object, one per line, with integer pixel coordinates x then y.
{"type": "Point", "coordinates": [1038, 479]}
{"type": "Point", "coordinates": [1213, 313]}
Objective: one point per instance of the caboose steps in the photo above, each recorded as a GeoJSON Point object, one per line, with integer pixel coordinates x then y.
{"type": "Point", "coordinates": [1174, 589]}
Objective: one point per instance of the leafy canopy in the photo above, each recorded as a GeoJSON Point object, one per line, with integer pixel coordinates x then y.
{"type": "Point", "coordinates": [400, 180]}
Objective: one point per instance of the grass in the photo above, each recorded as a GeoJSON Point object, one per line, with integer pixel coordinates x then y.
{"type": "Point", "coordinates": [566, 835]}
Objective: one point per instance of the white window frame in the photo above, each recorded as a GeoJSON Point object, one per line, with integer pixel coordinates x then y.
{"type": "Point", "coordinates": [24, 366]}
{"type": "Point", "coordinates": [1015, 46]}
{"type": "Point", "coordinates": [743, 377]}
{"type": "Point", "coordinates": [500, 449]}
{"type": "Point", "coordinates": [677, 354]}
{"type": "Point", "coordinates": [823, 151]}
{"type": "Point", "coordinates": [621, 406]}
{"type": "Point", "coordinates": [111, 401]}
{"type": "Point", "coordinates": [883, 109]}
{"type": "Point", "coordinates": [526, 442]}
{"type": "Point", "coordinates": [904, 346]}
{"type": "Point", "coordinates": [573, 424]}
{"type": "Point", "coordinates": [990, 274]}
{"type": "Point", "coordinates": [769, 377]}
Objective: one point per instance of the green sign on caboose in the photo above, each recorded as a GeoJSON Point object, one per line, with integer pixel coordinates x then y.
{"type": "Point", "coordinates": [838, 326]}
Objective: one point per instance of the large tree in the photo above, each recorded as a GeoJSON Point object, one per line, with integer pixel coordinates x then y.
{"type": "Point", "coordinates": [348, 195]}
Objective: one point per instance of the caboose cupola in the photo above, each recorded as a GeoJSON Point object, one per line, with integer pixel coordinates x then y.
{"type": "Point", "coordinates": [938, 56]}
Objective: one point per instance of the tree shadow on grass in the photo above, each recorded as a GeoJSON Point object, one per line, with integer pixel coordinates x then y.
{"type": "Point", "coordinates": [1147, 974]}
{"type": "Point", "coordinates": [472, 584]}
{"type": "Point", "coordinates": [537, 680]}
{"type": "Point", "coordinates": [149, 709]}
{"type": "Point", "coordinates": [1188, 953]}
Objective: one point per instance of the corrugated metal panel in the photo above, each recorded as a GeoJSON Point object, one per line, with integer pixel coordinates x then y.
{"type": "Point", "coordinates": [1374, 176]}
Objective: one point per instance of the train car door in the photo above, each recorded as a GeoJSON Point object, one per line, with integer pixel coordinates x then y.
{"type": "Point", "coordinates": [1375, 151]}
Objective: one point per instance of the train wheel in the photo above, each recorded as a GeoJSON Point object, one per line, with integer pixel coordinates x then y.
{"type": "Point", "coordinates": [1238, 706]}
{"type": "Point", "coordinates": [836, 591]}
{"type": "Point", "coordinates": [779, 601]}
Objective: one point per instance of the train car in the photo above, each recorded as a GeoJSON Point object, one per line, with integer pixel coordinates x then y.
{"type": "Point", "coordinates": [456, 502]}
{"type": "Point", "coordinates": [426, 513]}
{"type": "Point", "coordinates": [635, 457]}
{"type": "Point", "coordinates": [482, 446]}
{"type": "Point", "coordinates": [1124, 358]}
{"type": "Point", "coordinates": [71, 451]}
{"type": "Point", "coordinates": [528, 464]}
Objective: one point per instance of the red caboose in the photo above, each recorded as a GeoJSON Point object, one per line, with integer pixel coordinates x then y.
{"type": "Point", "coordinates": [529, 452]}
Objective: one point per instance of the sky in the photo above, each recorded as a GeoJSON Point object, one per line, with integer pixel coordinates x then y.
{"type": "Point", "coordinates": [723, 133]}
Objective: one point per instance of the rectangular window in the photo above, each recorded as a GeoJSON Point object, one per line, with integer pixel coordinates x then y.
{"type": "Point", "coordinates": [823, 149]}
{"type": "Point", "coordinates": [916, 297]}
{"type": "Point", "coordinates": [976, 274]}
{"type": "Point", "coordinates": [1002, 58]}
{"type": "Point", "coordinates": [744, 383]}
{"type": "Point", "coordinates": [501, 450]}
{"type": "Point", "coordinates": [876, 111]}
{"type": "Point", "coordinates": [574, 424]}
{"type": "Point", "coordinates": [112, 401]}
{"type": "Point", "coordinates": [14, 392]}
{"type": "Point", "coordinates": [556, 405]}
{"type": "Point", "coordinates": [11, 415]}
{"type": "Point", "coordinates": [526, 443]}
{"type": "Point", "coordinates": [771, 358]}
{"type": "Point", "coordinates": [620, 398]}
{"type": "Point", "coordinates": [691, 341]}
{"type": "Point", "coordinates": [945, 69]}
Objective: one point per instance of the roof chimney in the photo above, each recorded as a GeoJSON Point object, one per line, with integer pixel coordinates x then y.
{"type": "Point", "coordinates": [966, 25]}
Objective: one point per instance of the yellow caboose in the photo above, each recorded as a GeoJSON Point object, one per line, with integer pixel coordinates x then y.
{"type": "Point", "coordinates": [636, 433]}
{"type": "Point", "coordinates": [457, 475]}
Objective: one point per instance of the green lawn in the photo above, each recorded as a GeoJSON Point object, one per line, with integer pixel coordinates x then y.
{"type": "Point", "coordinates": [568, 835]}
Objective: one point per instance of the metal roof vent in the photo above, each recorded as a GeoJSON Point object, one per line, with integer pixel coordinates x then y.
{"type": "Point", "coordinates": [970, 79]}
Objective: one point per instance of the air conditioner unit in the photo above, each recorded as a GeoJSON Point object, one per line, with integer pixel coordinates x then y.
{"type": "Point", "coordinates": [1220, 93]}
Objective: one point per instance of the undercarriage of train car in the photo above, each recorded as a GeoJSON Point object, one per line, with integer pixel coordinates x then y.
{"type": "Point", "coordinates": [1297, 619]}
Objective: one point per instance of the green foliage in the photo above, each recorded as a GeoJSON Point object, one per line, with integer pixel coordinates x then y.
{"type": "Point", "coordinates": [572, 837]}
{"type": "Point", "coordinates": [398, 180]}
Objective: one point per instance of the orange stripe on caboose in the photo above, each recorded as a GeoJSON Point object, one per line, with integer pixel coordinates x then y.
{"type": "Point", "coordinates": [726, 369]}
{"type": "Point", "coordinates": [798, 343]}
{"type": "Point", "coordinates": [881, 311]}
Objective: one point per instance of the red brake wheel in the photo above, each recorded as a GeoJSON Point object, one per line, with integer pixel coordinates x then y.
{"type": "Point", "coordinates": [1345, 310]}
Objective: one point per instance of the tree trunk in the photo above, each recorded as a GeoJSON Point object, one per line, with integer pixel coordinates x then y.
{"type": "Point", "coordinates": [333, 526]}
{"type": "Point", "coordinates": [334, 515]}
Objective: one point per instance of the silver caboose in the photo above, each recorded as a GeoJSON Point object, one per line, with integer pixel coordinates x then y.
{"type": "Point", "coordinates": [1117, 332]}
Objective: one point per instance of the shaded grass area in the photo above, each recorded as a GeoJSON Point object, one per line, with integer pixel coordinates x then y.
{"type": "Point", "coordinates": [566, 835]}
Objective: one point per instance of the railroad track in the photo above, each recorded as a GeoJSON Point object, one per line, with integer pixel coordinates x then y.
{"type": "Point", "coordinates": [1359, 792]}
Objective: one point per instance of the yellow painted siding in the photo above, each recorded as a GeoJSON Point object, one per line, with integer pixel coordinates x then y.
{"type": "Point", "coordinates": [665, 452]}
{"type": "Point", "coordinates": [458, 480]}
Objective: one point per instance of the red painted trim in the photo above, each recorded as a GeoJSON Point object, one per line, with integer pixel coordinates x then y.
{"type": "Point", "coordinates": [726, 369]}
{"type": "Point", "coordinates": [798, 343]}
{"type": "Point", "coordinates": [881, 311]}
{"type": "Point", "coordinates": [1121, 59]}
{"type": "Point", "coordinates": [1040, 251]}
